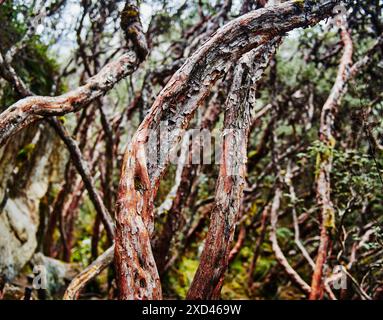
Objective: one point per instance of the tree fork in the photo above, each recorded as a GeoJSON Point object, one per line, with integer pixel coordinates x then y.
{"type": "Point", "coordinates": [176, 103]}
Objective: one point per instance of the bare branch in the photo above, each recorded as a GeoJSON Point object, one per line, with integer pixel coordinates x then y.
{"type": "Point", "coordinates": [324, 161]}
{"type": "Point", "coordinates": [89, 273]}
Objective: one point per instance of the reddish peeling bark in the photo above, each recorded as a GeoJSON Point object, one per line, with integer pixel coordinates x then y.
{"type": "Point", "coordinates": [136, 269]}
{"type": "Point", "coordinates": [188, 88]}
{"type": "Point", "coordinates": [30, 109]}
{"type": "Point", "coordinates": [175, 221]}
{"type": "Point", "coordinates": [324, 162]}
{"type": "Point", "coordinates": [214, 259]}
{"type": "Point", "coordinates": [183, 196]}
{"type": "Point", "coordinates": [69, 213]}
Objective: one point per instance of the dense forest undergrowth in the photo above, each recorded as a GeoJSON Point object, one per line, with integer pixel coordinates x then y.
{"type": "Point", "coordinates": [204, 149]}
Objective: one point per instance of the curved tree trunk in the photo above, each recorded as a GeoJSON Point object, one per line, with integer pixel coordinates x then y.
{"type": "Point", "coordinates": [175, 105]}
{"type": "Point", "coordinates": [324, 162]}
{"type": "Point", "coordinates": [208, 279]}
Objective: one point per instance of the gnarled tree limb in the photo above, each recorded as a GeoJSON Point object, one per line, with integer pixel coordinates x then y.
{"type": "Point", "coordinates": [30, 109]}
{"type": "Point", "coordinates": [188, 88]}
{"type": "Point", "coordinates": [324, 162]}
{"type": "Point", "coordinates": [231, 179]}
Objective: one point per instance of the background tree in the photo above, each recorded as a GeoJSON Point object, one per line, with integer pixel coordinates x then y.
{"type": "Point", "coordinates": [86, 88]}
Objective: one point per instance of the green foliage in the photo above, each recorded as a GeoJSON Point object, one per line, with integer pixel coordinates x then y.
{"type": "Point", "coordinates": [306, 66]}
{"type": "Point", "coordinates": [354, 170]}
{"type": "Point", "coordinates": [297, 71]}
{"type": "Point", "coordinates": [26, 152]}
{"type": "Point", "coordinates": [181, 277]}
{"type": "Point", "coordinates": [284, 234]}
{"type": "Point", "coordinates": [81, 252]}
{"type": "Point", "coordinates": [33, 63]}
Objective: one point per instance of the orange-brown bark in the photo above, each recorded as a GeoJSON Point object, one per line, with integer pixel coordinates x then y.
{"type": "Point", "coordinates": [176, 103]}
{"type": "Point", "coordinates": [324, 162]}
